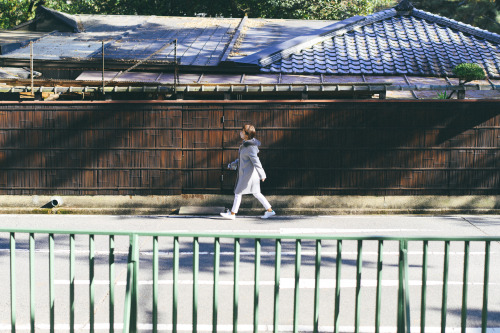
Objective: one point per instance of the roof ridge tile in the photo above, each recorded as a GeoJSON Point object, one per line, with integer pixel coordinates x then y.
{"type": "Point", "coordinates": [466, 28]}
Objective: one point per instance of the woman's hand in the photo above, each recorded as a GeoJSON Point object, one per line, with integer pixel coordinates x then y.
{"type": "Point", "coordinates": [264, 179]}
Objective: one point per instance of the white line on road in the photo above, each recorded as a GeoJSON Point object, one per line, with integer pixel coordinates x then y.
{"type": "Point", "coordinates": [251, 253]}
{"type": "Point", "coordinates": [286, 283]}
{"type": "Point", "coordinates": [248, 328]}
{"type": "Point", "coordinates": [327, 231]}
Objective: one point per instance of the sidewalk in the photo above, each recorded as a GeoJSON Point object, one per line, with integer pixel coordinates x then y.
{"type": "Point", "coordinates": [283, 205]}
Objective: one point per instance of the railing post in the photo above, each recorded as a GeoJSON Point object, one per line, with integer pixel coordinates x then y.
{"type": "Point", "coordinates": [298, 254]}
{"type": "Point", "coordinates": [317, 275]}
{"type": "Point", "coordinates": [91, 283]}
{"type": "Point", "coordinates": [379, 286]}
{"type": "Point", "coordinates": [236, 273]}
{"type": "Point", "coordinates": [52, 288]}
{"type": "Point", "coordinates": [256, 289]}
{"type": "Point", "coordinates": [338, 270]}
{"type": "Point", "coordinates": [359, 267]}
{"type": "Point", "coordinates": [277, 271]}
{"type": "Point", "coordinates": [423, 302]}
{"type": "Point", "coordinates": [484, 312]}
{"type": "Point", "coordinates": [111, 283]}
{"type": "Point", "coordinates": [175, 287]}
{"type": "Point", "coordinates": [155, 284]}
{"type": "Point", "coordinates": [403, 292]}
{"type": "Point", "coordinates": [72, 265]}
{"type": "Point", "coordinates": [215, 305]}
{"type": "Point", "coordinates": [13, 282]}
{"type": "Point", "coordinates": [465, 286]}
{"type": "Point", "coordinates": [196, 267]}
{"type": "Point", "coordinates": [444, 303]}
{"type": "Point", "coordinates": [130, 311]}
{"type": "Point", "coordinates": [32, 282]}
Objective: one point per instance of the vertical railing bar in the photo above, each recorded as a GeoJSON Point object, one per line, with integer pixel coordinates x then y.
{"type": "Point", "coordinates": [401, 307]}
{"type": "Point", "coordinates": [215, 305]}
{"type": "Point", "coordinates": [128, 292]}
{"type": "Point", "coordinates": [91, 282]}
{"type": "Point", "coordinates": [155, 284]}
{"type": "Point", "coordinates": [277, 271]}
{"type": "Point", "coordinates": [317, 285]}
{"type": "Point", "coordinates": [484, 319]}
{"type": "Point", "coordinates": [236, 283]}
{"type": "Point", "coordinates": [135, 283]}
{"type": "Point", "coordinates": [32, 283]}
{"type": "Point", "coordinates": [51, 283]}
{"type": "Point", "coordinates": [72, 283]}
{"type": "Point", "coordinates": [379, 285]}
{"type": "Point", "coordinates": [359, 266]}
{"type": "Point", "coordinates": [256, 287]}
{"type": "Point", "coordinates": [445, 285]}
{"type": "Point", "coordinates": [407, 287]}
{"type": "Point", "coordinates": [423, 302]}
{"type": "Point", "coordinates": [175, 288]}
{"type": "Point", "coordinates": [465, 287]}
{"type": "Point", "coordinates": [134, 309]}
{"type": "Point", "coordinates": [298, 254]}
{"type": "Point", "coordinates": [338, 269]}
{"type": "Point", "coordinates": [196, 250]}
{"type": "Point", "coordinates": [13, 282]}
{"type": "Point", "coordinates": [111, 283]}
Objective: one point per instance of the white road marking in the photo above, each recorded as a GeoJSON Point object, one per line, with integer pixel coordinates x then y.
{"type": "Point", "coordinates": [251, 253]}
{"type": "Point", "coordinates": [247, 328]}
{"type": "Point", "coordinates": [342, 231]}
{"type": "Point", "coordinates": [286, 283]}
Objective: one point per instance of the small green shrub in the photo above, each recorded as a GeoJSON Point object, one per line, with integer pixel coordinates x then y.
{"type": "Point", "coordinates": [442, 95]}
{"type": "Point", "coordinates": [468, 72]}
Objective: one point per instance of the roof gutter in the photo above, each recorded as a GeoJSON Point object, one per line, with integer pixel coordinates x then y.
{"type": "Point", "coordinates": [251, 88]}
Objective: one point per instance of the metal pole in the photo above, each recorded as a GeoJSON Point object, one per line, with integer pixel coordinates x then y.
{"type": "Point", "coordinates": [175, 66]}
{"type": "Point", "coordinates": [102, 68]}
{"type": "Point", "coordinates": [31, 66]}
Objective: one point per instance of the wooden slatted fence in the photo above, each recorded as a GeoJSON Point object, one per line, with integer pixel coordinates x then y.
{"type": "Point", "coordinates": [308, 147]}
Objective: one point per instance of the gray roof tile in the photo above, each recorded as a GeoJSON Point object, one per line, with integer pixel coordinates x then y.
{"type": "Point", "coordinates": [387, 43]}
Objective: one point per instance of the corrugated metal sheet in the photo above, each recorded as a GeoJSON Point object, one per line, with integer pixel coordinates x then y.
{"type": "Point", "coordinates": [259, 34]}
{"type": "Point", "coordinates": [17, 73]}
{"type": "Point", "coordinates": [201, 41]}
{"type": "Point", "coordinates": [58, 47]}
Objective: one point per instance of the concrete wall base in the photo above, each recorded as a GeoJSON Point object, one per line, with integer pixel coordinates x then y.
{"type": "Point", "coordinates": [284, 205]}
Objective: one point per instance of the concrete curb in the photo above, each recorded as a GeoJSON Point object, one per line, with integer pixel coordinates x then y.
{"type": "Point", "coordinates": [248, 211]}
{"type": "Point", "coordinates": [284, 205]}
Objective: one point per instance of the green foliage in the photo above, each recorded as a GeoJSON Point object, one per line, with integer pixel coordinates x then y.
{"type": "Point", "coordinates": [13, 12]}
{"type": "Point", "coordinates": [442, 95]}
{"type": "Point", "coordinates": [483, 14]}
{"type": "Point", "coordinates": [468, 72]}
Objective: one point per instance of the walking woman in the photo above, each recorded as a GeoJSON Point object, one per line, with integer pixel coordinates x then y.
{"type": "Point", "coordinates": [250, 173]}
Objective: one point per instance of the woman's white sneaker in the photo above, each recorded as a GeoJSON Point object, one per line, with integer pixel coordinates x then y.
{"type": "Point", "coordinates": [268, 214]}
{"type": "Point", "coordinates": [228, 216]}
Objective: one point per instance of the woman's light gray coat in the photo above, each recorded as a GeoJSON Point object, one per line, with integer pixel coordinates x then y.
{"type": "Point", "coordinates": [250, 171]}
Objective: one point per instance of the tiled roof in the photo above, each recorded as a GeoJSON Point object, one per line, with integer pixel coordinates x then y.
{"type": "Point", "coordinates": [391, 42]}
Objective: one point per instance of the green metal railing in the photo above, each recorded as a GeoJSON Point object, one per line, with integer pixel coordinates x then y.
{"type": "Point", "coordinates": [131, 304]}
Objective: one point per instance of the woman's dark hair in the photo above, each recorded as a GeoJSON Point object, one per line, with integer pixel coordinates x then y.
{"type": "Point", "coordinates": [249, 131]}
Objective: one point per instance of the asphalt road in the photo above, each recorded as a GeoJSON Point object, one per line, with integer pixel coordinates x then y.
{"type": "Point", "coordinates": [290, 225]}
